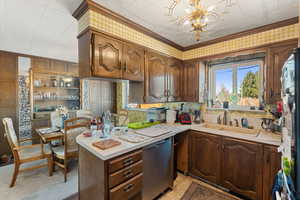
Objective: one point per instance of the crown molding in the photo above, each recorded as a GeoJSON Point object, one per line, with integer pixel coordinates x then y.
{"type": "Point", "coordinates": [89, 4]}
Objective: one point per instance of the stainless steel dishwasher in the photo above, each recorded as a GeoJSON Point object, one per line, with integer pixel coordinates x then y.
{"type": "Point", "coordinates": [157, 168]}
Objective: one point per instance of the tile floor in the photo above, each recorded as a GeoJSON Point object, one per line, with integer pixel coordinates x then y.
{"type": "Point", "coordinates": [181, 184]}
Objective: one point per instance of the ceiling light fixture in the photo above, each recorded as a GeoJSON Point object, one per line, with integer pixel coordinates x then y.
{"type": "Point", "coordinates": [197, 15]}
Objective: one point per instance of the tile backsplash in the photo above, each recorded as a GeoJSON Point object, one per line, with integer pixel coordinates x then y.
{"type": "Point", "coordinates": [253, 117]}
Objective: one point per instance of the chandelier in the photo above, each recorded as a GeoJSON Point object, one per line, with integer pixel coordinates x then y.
{"type": "Point", "coordinates": [197, 15]}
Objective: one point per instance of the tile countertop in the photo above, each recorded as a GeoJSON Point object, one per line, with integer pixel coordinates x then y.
{"type": "Point", "coordinates": [125, 147]}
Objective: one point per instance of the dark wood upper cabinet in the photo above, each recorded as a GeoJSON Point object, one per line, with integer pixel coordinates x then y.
{"type": "Point", "coordinates": [205, 156]}
{"type": "Point", "coordinates": [133, 62]}
{"type": "Point", "coordinates": [174, 82]}
{"type": "Point", "coordinates": [271, 166]}
{"type": "Point", "coordinates": [41, 65]}
{"type": "Point", "coordinates": [156, 80]}
{"type": "Point", "coordinates": [242, 167]}
{"type": "Point", "coordinates": [72, 69]}
{"type": "Point", "coordinates": [191, 82]}
{"type": "Point", "coordinates": [59, 66]}
{"type": "Point", "coordinates": [107, 55]}
{"type": "Point", "coordinates": [277, 55]}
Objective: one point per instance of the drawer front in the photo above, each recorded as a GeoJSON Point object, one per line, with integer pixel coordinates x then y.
{"type": "Point", "coordinates": [127, 190]}
{"type": "Point", "coordinates": [125, 174]}
{"type": "Point", "coordinates": [124, 161]}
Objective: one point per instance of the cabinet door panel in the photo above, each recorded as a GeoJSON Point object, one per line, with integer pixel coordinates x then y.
{"type": "Point", "coordinates": [205, 156]}
{"type": "Point", "coordinates": [133, 62]}
{"type": "Point", "coordinates": [191, 82]}
{"type": "Point", "coordinates": [242, 167]}
{"type": "Point", "coordinates": [277, 56]}
{"type": "Point", "coordinates": [41, 65]}
{"type": "Point", "coordinates": [73, 69]}
{"type": "Point", "coordinates": [107, 57]}
{"type": "Point", "coordinates": [272, 162]}
{"type": "Point", "coordinates": [156, 78]}
{"type": "Point", "coordinates": [174, 73]}
{"type": "Point", "coordinates": [59, 67]}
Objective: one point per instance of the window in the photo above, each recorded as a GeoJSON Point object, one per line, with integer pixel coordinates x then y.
{"type": "Point", "coordinates": [240, 84]}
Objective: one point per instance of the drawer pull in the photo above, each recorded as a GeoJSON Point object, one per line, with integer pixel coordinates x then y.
{"type": "Point", "coordinates": [128, 161]}
{"type": "Point", "coordinates": [128, 174]}
{"type": "Point", "coordinates": [128, 188]}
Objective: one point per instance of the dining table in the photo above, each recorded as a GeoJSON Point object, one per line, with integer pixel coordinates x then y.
{"type": "Point", "coordinates": [49, 136]}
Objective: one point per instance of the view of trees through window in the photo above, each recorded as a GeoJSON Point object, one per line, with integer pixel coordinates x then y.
{"type": "Point", "coordinates": [239, 85]}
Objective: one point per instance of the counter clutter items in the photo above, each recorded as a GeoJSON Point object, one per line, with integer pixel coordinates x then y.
{"type": "Point", "coordinates": [173, 129]}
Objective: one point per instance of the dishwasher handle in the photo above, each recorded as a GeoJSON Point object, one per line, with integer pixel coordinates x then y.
{"type": "Point", "coordinates": [155, 145]}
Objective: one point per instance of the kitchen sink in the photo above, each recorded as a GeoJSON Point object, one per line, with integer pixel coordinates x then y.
{"type": "Point", "coordinates": [254, 132]}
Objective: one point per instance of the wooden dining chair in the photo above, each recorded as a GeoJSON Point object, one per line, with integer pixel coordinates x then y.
{"type": "Point", "coordinates": [85, 114]}
{"type": "Point", "coordinates": [25, 153]}
{"type": "Point", "coordinates": [69, 149]}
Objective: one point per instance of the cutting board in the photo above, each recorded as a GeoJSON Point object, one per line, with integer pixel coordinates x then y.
{"type": "Point", "coordinates": [106, 144]}
{"type": "Point", "coordinates": [153, 131]}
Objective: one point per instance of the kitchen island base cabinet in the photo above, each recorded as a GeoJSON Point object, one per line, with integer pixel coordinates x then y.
{"type": "Point", "coordinates": [97, 178]}
{"type": "Point", "coordinates": [205, 157]}
{"type": "Point", "coordinates": [91, 174]}
{"type": "Point", "coordinates": [242, 167]}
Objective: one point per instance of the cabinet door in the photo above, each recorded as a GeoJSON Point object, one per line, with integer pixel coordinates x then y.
{"type": "Point", "coordinates": [205, 156]}
{"type": "Point", "coordinates": [277, 56]}
{"type": "Point", "coordinates": [133, 62]}
{"type": "Point", "coordinates": [191, 82]}
{"type": "Point", "coordinates": [242, 167]}
{"type": "Point", "coordinates": [59, 67]}
{"type": "Point", "coordinates": [41, 65]}
{"type": "Point", "coordinates": [107, 55]}
{"type": "Point", "coordinates": [72, 69]}
{"type": "Point", "coordinates": [156, 84]}
{"type": "Point", "coordinates": [174, 70]}
{"type": "Point", "coordinates": [271, 166]}
{"type": "Point", "coordinates": [181, 154]}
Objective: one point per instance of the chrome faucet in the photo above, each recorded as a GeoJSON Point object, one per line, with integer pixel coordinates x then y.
{"type": "Point", "coordinates": [225, 119]}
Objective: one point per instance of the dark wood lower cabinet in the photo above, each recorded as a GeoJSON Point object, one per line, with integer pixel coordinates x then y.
{"type": "Point", "coordinates": [271, 166]}
{"type": "Point", "coordinates": [181, 152]}
{"type": "Point", "coordinates": [205, 157]}
{"type": "Point", "coordinates": [118, 178]}
{"type": "Point", "coordinates": [246, 168]}
{"type": "Point", "coordinates": [242, 167]}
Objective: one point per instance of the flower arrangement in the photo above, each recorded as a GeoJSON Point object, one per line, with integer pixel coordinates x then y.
{"type": "Point", "coordinates": [63, 111]}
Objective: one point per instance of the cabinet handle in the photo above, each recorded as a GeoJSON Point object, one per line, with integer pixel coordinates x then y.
{"type": "Point", "coordinates": [268, 159]}
{"type": "Point", "coordinates": [127, 162]}
{"type": "Point", "coordinates": [127, 188]}
{"type": "Point", "coordinates": [125, 66]}
{"type": "Point", "coordinates": [128, 174]}
{"type": "Point", "coordinates": [271, 93]}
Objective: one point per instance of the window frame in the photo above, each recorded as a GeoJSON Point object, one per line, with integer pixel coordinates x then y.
{"type": "Point", "coordinates": [234, 66]}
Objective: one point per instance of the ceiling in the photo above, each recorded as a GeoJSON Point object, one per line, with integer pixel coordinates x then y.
{"type": "Point", "coordinates": [244, 15]}
{"type": "Point", "coordinates": [46, 27]}
{"type": "Point", "coordinates": [39, 27]}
